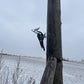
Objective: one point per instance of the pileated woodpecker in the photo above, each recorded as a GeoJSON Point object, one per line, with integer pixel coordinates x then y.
{"type": "Point", "coordinates": [40, 37]}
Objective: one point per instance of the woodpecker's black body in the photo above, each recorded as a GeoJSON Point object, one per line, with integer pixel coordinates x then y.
{"type": "Point", "coordinates": [41, 38]}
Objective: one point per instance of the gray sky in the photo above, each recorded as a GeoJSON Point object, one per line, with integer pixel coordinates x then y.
{"type": "Point", "coordinates": [18, 17]}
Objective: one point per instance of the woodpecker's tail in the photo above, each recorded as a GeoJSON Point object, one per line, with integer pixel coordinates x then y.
{"type": "Point", "coordinates": [42, 46]}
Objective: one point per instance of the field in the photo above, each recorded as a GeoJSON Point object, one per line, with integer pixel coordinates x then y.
{"type": "Point", "coordinates": [29, 70]}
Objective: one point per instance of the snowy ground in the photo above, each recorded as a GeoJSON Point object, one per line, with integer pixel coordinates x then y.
{"type": "Point", "coordinates": [73, 73]}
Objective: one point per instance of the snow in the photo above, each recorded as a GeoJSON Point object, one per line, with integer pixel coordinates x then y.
{"type": "Point", "coordinates": [73, 72]}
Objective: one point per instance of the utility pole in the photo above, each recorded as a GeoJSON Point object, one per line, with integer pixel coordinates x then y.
{"type": "Point", "coordinates": [53, 70]}
{"type": "Point", "coordinates": [54, 47]}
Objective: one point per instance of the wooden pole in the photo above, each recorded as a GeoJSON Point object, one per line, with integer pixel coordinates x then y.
{"type": "Point", "coordinates": [54, 47]}
{"type": "Point", "coordinates": [48, 76]}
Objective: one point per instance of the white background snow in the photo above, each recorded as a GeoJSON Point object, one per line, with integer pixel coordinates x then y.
{"type": "Point", "coordinates": [73, 72]}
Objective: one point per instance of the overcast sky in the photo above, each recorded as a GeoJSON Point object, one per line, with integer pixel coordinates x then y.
{"type": "Point", "coordinates": [18, 17]}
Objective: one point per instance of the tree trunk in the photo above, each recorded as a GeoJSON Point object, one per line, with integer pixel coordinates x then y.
{"type": "Point", "coordinates": [54, 48]}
